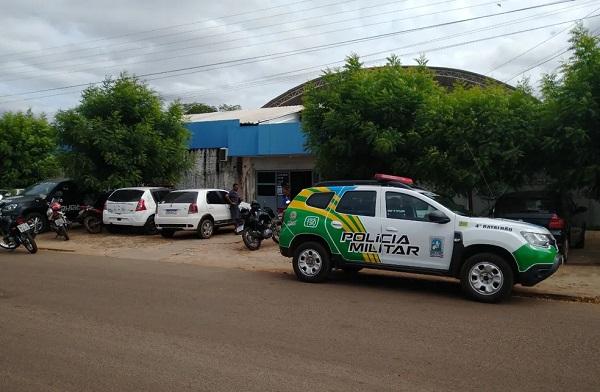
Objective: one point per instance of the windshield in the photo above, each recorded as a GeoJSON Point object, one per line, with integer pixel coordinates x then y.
{"type": "Point", "coordinates": [448, 203]}
{"type": "Point", "coordinates": [42, 188]}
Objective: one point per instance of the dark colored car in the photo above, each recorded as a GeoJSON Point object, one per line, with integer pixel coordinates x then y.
{"type": "Point", "coordinates": [33, 202]}
{"type": "Point", "coordinates": [557, 213]}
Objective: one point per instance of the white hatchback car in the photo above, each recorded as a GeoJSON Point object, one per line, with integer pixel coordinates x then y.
{"type": "Point", "coordinates": [198, 210]}
{"type": "Point", "coordinates": [133, 207]}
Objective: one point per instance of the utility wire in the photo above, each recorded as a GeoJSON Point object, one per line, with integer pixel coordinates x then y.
{"type": "Point", "coordinates": [304, 50]}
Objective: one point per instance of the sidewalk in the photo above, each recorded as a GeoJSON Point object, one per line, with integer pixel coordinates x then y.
{"type": "Point", "coordinates": [579, 280]}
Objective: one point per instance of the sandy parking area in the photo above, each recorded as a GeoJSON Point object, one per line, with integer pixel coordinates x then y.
{"type": "Point", "coordinates": [224, 249]}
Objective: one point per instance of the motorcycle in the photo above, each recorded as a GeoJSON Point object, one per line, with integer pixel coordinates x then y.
{"type": "Point", "coordinates": [259, 224]}
{"type": "Point", "coordinates": [91, 218]}
{"type": "Point", "coordinates": [57, 220]}
{"type": "Point", "coordinates": [16, 232]}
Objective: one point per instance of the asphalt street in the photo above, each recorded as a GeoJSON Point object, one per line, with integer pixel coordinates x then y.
{"type": "Point", "coordinates": [83, 323]}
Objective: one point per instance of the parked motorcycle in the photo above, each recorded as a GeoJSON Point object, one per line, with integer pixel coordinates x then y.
{"type": "Point", "coordinates": [259, 224]}
{"type": "Point", "coordinates": [90, 216]}
{"type": "Point", "coordinates": [57, 221]}
{"type": "Point", "coordinates": [16, 232]}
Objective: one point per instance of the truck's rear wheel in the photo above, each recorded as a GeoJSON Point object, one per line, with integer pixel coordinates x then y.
{"type": "Point", "coordinates": [486, 277]}
{"type": "Point", "coordinates": [311, 262]}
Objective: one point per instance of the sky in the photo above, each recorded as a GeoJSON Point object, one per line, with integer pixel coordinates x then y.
{"type": "Point", "coordinates": [248, 52]}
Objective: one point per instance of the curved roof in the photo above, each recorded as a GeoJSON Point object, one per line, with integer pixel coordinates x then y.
{"type": "Point", "coordinates": [444, 76]}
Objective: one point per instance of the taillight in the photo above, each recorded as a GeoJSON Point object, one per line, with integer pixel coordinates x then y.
{"type": "Point", "coordinates": [20, 220]}
{"type": "Point", "coordinates": [193, 209]}
{"type": "Point", "coordinates": [556, 222]}
{"type": "Point", "coordinates": [141, 205]}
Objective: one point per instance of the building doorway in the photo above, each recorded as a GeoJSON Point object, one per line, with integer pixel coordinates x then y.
{"type": "Point", "coordinates": [269, 185]}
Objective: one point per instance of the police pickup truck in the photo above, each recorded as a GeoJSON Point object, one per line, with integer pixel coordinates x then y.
{"type": "Point", "coordinates": [391, 225]}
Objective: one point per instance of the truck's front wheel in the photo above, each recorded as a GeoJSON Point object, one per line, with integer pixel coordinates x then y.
{"type": "Point", "coordinates": [487, 277]}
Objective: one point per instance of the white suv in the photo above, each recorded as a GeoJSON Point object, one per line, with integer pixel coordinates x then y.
{"type": "Point", "coordinates": [198, 210]}
{"type": "Point", "coordinates": [133, 207]}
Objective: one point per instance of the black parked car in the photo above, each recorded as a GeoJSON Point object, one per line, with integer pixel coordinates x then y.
{"type": "Point", "coordinates": [558, 214]}
{"type": "Point", "coordinates": [32, 203]}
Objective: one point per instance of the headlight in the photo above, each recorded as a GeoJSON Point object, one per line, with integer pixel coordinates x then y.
{"type": "Point", "coordinates": [537, 239]}
{"type": "Point", "coordinates": [10, 207]}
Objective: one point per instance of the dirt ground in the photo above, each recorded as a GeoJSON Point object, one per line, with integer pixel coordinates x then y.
{"type": "Point", "coordinates": [224, 249]}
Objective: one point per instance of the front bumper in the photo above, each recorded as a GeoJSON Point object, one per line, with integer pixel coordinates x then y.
{"type": "Point", "coordinates": [536, 273]}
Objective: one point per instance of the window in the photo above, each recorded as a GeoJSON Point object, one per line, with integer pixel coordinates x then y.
{"type": "Point", "coordinates": [126, 195]}
{"type": "Point", "coordinates": [180, 197]}
{"type": "Point", "coordinates": [222, 195]}
{"type": "Point", "coordinates": [402, 206]}
{"type": "Point", "coordinates": [213, 197]}
{"type": "Point", "coordinates": [358, 203]}
{"type": "Point", "coordinates": [159, 195]}
{"type": "Point", "coordinates": [319, 200]}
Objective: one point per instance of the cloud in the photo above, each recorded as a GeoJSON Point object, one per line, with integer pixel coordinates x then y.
{"type": "Point", "coordinates": [49, 45]}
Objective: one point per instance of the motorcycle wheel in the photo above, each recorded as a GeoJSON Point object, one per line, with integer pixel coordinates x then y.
{"type": "Point", "coordinates": [29, 243]}
{"type": "Point", "coordinates": [63, 231]}
{"type": "Point", "coordinates": [8, 246]}
{"type": "Point", "coordinates": [92, 224]}
{"type": "Point", "coordinates": [276, 231]}
{"type": "Point", "coordinates": [251, 242]}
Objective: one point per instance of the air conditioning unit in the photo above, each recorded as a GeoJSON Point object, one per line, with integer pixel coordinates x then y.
{"type": "Point", "coordinates": [223, 154]}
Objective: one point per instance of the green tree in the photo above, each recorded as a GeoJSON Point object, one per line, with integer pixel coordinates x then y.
{"type": "Point", "coordinates": [229, 108]}
{"type": "Point", "coordinates": [120, 135]}
{"type": "Point", "coordinates": [571, 117]}
{"type": "Point", "coordinates": [362, 121]}
{"type": "Point", "coordinates": [478, 139]}
{"type": "Point", "coordinates": [197, 108]}
{"type": "Point", "coordinates": [28, 148]}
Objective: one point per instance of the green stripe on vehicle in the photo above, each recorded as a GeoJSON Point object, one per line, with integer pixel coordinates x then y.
{"type": "Point", "coordinates": [528, 256]}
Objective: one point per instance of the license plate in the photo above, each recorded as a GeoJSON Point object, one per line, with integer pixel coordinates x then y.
{"type": "Point", "coordinates": [59, 222]}
{"type": "Point", "coordinates": [23, 227]}
{"type": "Point", "coordinates": [171, 212]}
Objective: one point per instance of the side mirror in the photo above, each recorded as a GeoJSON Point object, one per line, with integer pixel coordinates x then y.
{"type": "Point", "coordinates": [579, 210]}
{"type": "Point", "coordinates": [437, 217]}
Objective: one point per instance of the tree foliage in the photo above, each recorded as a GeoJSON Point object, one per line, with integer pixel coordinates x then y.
{"type": "Point", "coordinates": [120, 135]}
{"type": "Point", "coordinates": [28, 149]}
{"type": "Point", "coordinates": [571, 117]}
{"type": "Point", "coordinates": [361, 122]}
{"type": "Point", "coordinates": [197, 108]}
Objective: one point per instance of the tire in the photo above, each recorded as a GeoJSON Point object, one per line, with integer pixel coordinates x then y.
{"type": "Point", "coordinates": [566, 250]}
{"type": "Point", "coordinates": [8, 246]}
{"type": "Point", "coordinates": [206, 228]}
{"type": "Point", "coordinates": [250, 241]}
{"type": "Point", "coordinates": [38, 221]}
{"type": "Point", "coordinates": [150, 226]}
{"type": "Point", "coordinates": [64, 232]}
{"type": "Point", "coordinates": [276, 232]}
{"type": "Point", "coordinates": [486, 277]}
{"type": "Point", "coordinates": [167, 233]}
{"type": "Point", "coordinates": [581, 243]}
{"type": "Point", "coordinates": [92, 224]}
{"type": "Point", "coordinates": [351, 269]}
{"type": "Point", "coordinates": [315, 270]}
{"type": "Point", "coordinates": [29, 243]}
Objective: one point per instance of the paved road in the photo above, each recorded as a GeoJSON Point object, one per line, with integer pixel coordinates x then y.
{"type": "Point", "coordinates": [73, 323]}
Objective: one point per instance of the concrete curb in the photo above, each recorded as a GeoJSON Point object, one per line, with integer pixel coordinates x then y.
{"type": "Point", "coordinates": [556, 296]}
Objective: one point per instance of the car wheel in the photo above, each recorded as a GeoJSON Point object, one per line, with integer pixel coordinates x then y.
{"type": "Point", "coordinates": [486, 277]}
{"type": "Point", "coordinates": [351, 269]}
{"type": "Point", "coordinates": [37, 221]}
{"type": "Point", "coordinates": [167, 233]}
{"type": "Point", "coordinates": [581, 240]}
{"type": "Point", "coordinates": [150, 226]}
{"type": "Point", "coordinates": [206, 228]}
{"type": "Point", "coordinates": [311, 262]}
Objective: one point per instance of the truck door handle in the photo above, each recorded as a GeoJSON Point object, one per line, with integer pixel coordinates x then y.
{"type": "Point", "coordinates": [391, 229]}
{"type": "Point", "coordinates": [336, 224]}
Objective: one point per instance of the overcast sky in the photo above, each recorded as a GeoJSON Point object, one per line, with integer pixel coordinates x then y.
{"type": "Point", "coordinates": [248, 52]}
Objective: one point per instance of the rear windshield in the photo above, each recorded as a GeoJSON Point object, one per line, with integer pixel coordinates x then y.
{"type": "Point", "coordinates": [520, 204]}
{"type": "Point", "coordinates": [126, 195]}
{"type": "Point", "coordinates": [181, 197]}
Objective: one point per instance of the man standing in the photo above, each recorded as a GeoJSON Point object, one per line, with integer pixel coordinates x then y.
{"type": "Point", "coordinates": [233, 198]}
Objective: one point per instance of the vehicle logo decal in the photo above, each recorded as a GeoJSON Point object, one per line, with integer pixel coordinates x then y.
{"type": "Point", "coordinates": [463, 224]}
{"type": "Point", "coordinates": [362, 242]}
{"type": "Point", "coordinates": [493, 227]}
{"type": "Point", "coordinates": [293, 215]}
{"type": "Point", "coordinates": [311, 221]}
{"type": "Point", "coordinates": [437, 247]}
